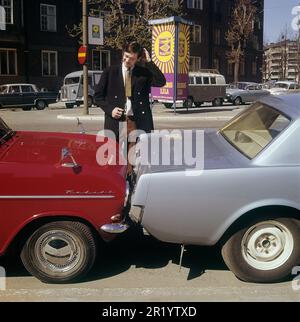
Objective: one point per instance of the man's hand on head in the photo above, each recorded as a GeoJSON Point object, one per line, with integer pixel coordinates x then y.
{"type": "Point", "coordinates": [146, 58]}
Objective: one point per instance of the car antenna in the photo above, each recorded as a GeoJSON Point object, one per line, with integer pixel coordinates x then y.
{"type": "Point", "coordinates": [181, 256]}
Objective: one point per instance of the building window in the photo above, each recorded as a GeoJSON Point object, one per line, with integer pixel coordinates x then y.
{"type": "Point", "coordinates": [8, 62]}
{"type": "Point", "coordinates": [217, 6]}
{"type": "Point", "coordinates": [254, 68]}
{"type": "Point", "coordinates": [196, 34]}
{"type": "Point", "coordinates": [103, 15]}
{"type": "Point", "coordinates": [230, 69]}
{"type": "Point", "coordinates": [255, 42]}
{"type": "Point", "coordinates": [101, 59]}
{"type": "Point", "coordinates": [48, 18]}
{"type": "Point", "coordinates": [129, 20]}
{"type": "Point", "coordinates": [216, 63]}
{"type": "Point", "coordinates": [217, 37]}
{"type": "Point", "coordinates": [195, 4]}
{"type": "Point", "coordinates": [7, 5]}
{"type": "Point", "coordinates": [258, 24]}
{"type": "Point", "coordinates": [195, 64]}
{"type": "Point", "coordinates": [49, 63]}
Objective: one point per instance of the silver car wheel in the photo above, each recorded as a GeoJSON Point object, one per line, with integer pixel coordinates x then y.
{"type": "Point", "coordinates": [59, 251]}
{"type": "Point", "coordinates": [267, 245]}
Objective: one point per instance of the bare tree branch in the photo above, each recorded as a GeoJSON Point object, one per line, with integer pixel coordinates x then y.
{"type": "Point", "coordinates": [240, 31]}
{"type": "Point", "coordinates": [119, 29]}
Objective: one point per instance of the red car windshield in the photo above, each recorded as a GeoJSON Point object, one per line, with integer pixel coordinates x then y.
{"type": "Point", "coordinates": [5, 132]}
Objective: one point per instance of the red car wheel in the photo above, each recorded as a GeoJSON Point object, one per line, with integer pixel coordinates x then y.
{"type": "Point", "coordinates": [60, 252]}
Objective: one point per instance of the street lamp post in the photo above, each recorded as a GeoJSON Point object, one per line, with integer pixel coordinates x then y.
{"type": "Point", "coordinates": [85, 66]}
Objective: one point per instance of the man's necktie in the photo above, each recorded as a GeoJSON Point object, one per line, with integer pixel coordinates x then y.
{"type": "Point", "coordinates": [128, 83]}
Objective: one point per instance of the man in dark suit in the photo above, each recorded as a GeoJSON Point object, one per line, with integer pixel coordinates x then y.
{"type": "Point", "coordinates": [123, 92]}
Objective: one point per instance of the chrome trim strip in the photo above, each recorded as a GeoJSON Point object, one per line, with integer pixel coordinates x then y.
{"type": "Point", "coordinates": [57, 197]}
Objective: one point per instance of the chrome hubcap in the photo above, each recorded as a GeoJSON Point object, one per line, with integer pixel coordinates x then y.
{"type": "Point", "coordinates": [59, 251]}
{"type": "Point", "coordinates": [267, 245]}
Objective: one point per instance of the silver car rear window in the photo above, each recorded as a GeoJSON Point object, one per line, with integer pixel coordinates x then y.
{"type": "Point", "coordinates": [255, 129]}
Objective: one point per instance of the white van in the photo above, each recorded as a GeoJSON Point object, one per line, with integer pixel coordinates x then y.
{"type": "Point", "coordinates": [72, 90]}
{"type": "Point", "coordinates": [205, 86]}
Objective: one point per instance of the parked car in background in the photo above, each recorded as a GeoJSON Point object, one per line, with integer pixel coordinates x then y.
{"type": "Point", "coordinates": [57, 202]}
{"type": "Point", "coordinates": [284, 87]}
{"type": "Point", "coordinates": [268, 84]}
{"type": "Point", "coordinates": [245, 198]}
{"type": "Point", "coordinates": [205, 86]}
{"type": "Point", "coordinates": [26, 96]}
{"type": "Point", "coordinates": [245, 92]}
{"type": "Point", "coordinates": [71, 93]}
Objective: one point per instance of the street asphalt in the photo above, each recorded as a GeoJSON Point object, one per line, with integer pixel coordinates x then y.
{"type": "Point", "coordinates": [58, 118]}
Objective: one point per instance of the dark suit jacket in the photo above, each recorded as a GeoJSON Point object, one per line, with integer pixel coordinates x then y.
{"type": "Point", "coordinates": [110, 93]}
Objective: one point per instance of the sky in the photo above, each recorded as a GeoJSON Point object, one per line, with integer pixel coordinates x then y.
{"type": "Point", "coordinates": [278, 15]}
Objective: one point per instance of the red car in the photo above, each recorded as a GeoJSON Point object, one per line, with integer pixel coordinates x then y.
{"type": "Point", "coordinates": [56, 201]}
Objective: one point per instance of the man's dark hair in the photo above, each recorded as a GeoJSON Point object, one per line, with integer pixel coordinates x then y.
{"type": "Point", "coordinates": [134, 48]}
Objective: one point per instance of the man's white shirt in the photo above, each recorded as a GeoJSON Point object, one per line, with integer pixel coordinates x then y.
{"type": "Point", "coordinates": [128, 107]}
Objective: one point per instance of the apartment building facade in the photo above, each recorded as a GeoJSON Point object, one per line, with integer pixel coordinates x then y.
{"type": "Point", "coordinates": [36, 47]}
{"type": "Point", "coordinates": [281, 61]}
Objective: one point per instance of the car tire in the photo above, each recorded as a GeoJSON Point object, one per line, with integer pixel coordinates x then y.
{"type": "Point", "coordinates": [238, 101]}
{"type": "Point", "coordinates": [90, 102]}
{"type": "Point", "coordinates": [217, 102]}
{"type": "Point", "coordinates": [265, 251]}
{"type": "Point", "coordinates": [60, 252]}
{"type": "Point", "coordinates": [198, 104]}
{"type": "Point", "coordinates": [168, 105]}
{"type": "Point", "coordinates": [40, 105]}
{"type": "Point", "coordinates": [69, 106]}
{"type": "Point", "coordinates": [188, 103]}
{"type": "Point", "coordinates": [27, 108]}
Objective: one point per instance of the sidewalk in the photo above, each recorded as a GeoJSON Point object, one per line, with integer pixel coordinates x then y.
{"type": "Point", "coordinates": [160, 113]}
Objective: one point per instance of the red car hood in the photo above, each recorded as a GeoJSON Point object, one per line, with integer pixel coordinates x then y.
{"type": "Point", "coordinates": [32, 164]}
{"type": "Point", "coordinates": [46, 149]}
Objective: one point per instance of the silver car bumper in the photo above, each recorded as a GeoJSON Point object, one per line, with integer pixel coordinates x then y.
{"type": "Point", "coordinates": [136, 214]}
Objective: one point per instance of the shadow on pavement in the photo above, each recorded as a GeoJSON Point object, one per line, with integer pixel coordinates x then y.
{"type": "Point", "coordinates": [134, 249]}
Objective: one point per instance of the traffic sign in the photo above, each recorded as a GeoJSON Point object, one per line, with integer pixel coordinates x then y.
{"type": "Point", "coordinates": [82, 55]}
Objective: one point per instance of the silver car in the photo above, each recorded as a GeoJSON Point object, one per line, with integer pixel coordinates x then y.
{"type": "Point", "coordinates": [246, 93]}
{"type": "Point", "coordinates": [245, 198]}
{"type": "Point", "coordinates": [284, 87]}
